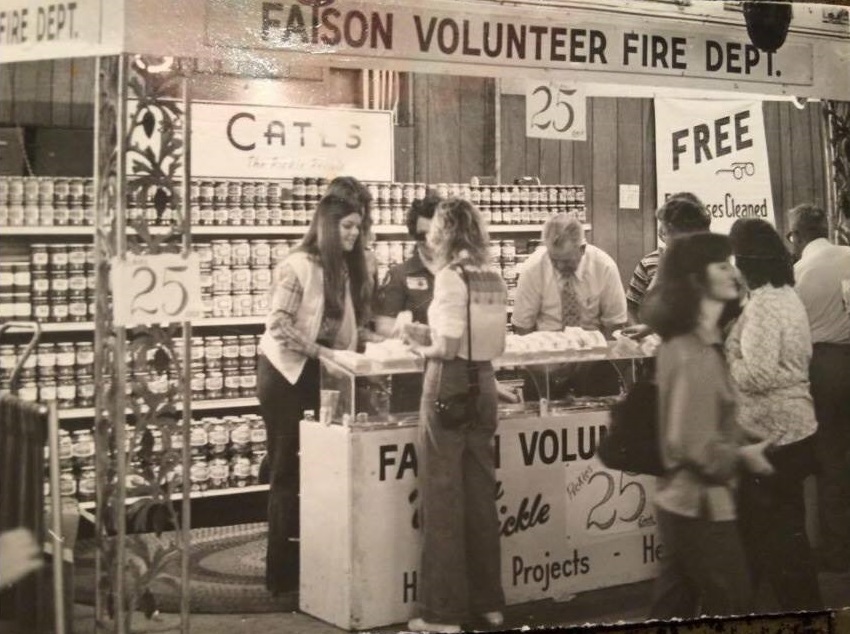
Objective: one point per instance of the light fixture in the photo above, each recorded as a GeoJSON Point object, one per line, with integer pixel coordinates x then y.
{"type": "Point", "coordinates": [767, 23]}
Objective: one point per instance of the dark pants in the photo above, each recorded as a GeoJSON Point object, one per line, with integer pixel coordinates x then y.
{"type": "Point", "coordinates": [772, 519]}
{"type": "Point", "coordinates": [461, 556]}
{"type": "Point", "coordinates": [830, 381]}
{"type": "Point", "coordinates": [282, 405]}
{"type": "Point", "coordinates": [702, 569]}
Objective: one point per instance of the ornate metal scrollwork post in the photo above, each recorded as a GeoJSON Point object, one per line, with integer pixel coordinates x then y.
{"type": "Point", "coordinates": [837, 149]}
{"type": "Point", "coordinates": [142, 409]}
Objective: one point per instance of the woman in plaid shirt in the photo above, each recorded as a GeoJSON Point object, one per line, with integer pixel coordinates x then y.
{"type": "Point", "coordinates": [319, 303]}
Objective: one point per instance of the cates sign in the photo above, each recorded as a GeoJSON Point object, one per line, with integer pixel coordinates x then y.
{"type": "Point", "coordinates": [560, 40]}
{"type": "Point", "coordinates": [239, 141]}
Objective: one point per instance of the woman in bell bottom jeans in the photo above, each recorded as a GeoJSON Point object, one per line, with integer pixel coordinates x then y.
{"type": "Point", "coordinates": [461, 562]}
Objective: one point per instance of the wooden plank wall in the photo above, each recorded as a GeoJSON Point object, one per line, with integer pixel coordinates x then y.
{"type": "Point", "coordinates": [795, 155]}
{"type": "Point", "coordinates": [453, 132]}
{"type": "Point", "coordinates": [48, 93]}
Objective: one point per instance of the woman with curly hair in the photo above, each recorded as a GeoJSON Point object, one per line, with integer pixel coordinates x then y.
{"type": "Point", "coordinates": [769, 350]}
{"type": "Point", "coordinates": [461, 568]}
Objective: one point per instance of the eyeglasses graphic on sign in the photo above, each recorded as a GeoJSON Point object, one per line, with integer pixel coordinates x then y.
{"type": "Point", "coordinates": [739, 169]}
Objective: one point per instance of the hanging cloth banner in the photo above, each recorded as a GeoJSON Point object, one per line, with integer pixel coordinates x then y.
{"type": "Point", "coordinates": [716, 150]}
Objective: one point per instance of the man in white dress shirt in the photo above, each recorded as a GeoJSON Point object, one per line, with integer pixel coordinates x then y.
{"type": "Point", "coordinates": [822, 277]}
{"type": "Point", "coordinates": [568, 282]}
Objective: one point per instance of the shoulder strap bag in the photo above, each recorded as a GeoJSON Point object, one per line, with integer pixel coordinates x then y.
{"type": "Point", "coordinates": [459, 410]}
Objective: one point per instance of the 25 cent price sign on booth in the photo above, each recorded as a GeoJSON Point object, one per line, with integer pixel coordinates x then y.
{"type": "Point", "coordinates": [150, 289]}
{"type": "Point", "coordinates": [555, 111]}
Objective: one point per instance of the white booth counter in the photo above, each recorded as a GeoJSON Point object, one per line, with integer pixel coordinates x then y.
{"type": "Point", "coordinates": [568, 524]}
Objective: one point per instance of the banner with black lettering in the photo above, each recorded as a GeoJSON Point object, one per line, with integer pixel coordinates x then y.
{"type": "Point", "coordinates": [716, 150]}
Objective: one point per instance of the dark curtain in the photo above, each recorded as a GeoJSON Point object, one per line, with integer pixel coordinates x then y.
{"type": "Point", "coordinates": [23, 437]}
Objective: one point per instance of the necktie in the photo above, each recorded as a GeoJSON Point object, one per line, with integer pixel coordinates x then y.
{"type": "Point", "coordinates": [570, 305]}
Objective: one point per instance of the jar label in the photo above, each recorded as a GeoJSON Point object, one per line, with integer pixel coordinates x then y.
{"type": "Point", "coordinates": [218, 470]}
{"type": "Point", "coordinates": [67, 392]}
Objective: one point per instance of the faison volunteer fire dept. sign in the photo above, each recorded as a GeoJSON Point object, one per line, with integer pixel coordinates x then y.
{"type": "Point", "coordinates": [553, 40]}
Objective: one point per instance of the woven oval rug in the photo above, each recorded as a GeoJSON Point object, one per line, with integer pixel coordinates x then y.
{"type": "Point", "coordinates": [227, 573]}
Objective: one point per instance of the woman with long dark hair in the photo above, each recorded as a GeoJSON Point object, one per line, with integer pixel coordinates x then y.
{"type": "Point", "coordinates": [355, 192]}
{"type": "Point", "coordinates": [769, 349]}
{"type": "Point", "coordinates": [702, 446]}
{"type": "Point", "coordinates": [461, 570]}
{"type": "Point", "coordinates": [319, 300]}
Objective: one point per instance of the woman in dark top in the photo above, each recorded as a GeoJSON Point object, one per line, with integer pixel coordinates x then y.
{"type": "Point", "coordinates": [702, 446]}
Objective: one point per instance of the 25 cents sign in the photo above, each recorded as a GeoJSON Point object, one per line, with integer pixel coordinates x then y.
{"type": "Point", "coordinates": [150, 289]}
{"type": "Point", "coordinates": [555, 111]}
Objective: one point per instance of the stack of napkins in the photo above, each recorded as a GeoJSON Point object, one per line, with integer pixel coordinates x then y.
{"type": "Point", "coordinates": [389, 350]}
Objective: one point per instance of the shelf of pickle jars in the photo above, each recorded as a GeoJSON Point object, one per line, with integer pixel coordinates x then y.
{"type": "Point", "coordinates": [210, 493]}
{"type": "Point", "coordinates": [197, 406]}
{"type": "Point", "coordinates": [253, 230]}
{"type": "Point", "coordinates": [207, 322]}
{"type": "Point", "coordinates": [64, 206]}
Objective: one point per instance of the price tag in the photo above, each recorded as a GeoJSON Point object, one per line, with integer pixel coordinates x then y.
{"type": "Point", "coordinates": [150, 289]}
{"type": "Point", "coordinates": [555, 111]}
{"type": "Point", "coordinates": [602, 501]}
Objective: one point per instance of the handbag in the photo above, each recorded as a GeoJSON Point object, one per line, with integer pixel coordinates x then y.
{"type": "Point", "coordinates": [631, 442]}
{"type": "Point", "coordinates": [459, 410]}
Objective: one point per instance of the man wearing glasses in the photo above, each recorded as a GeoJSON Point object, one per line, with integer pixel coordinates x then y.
{"type": "Point", "coordinates": [408, 288]}
{"type": "Point", "coordinates": [568, 282]}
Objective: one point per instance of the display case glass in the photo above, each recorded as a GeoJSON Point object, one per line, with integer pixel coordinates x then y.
{"type": "Point", "coordinates": [538, 374]}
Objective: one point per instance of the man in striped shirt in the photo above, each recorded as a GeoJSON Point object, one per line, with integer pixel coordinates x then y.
{"type": "Point", "coordinates": [680, 214]}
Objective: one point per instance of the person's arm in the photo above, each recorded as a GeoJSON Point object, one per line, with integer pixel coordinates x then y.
{"type": "Point", "coordinates": [19, 555]}
{"type": "Point", "coordinates": [449, 309]}
{"type": "Point", "coordinates": [754, 357]}
{"type": "Point", "coordinates": [693, 421]}
{"type": "Point", "coordinates": [612, 302]}
{"type": "Point", "coordinates": [527, 301]}
{"type": "Point", "coordinates": [280, 322]}
{"type": "Point", "coordinates": [390, 300]}
{"type": "Point", "coordinates": [385, 326]}
{"type": "Point", "coordinates": [637, 289]}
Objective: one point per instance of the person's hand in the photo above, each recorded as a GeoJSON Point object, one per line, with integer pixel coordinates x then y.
{"type": "Point", "coordinates": [754, 459]}
{"type": "Point", "coordinates": [402, 320]}
{"type": "Point", "coordinates": [636, 331]}
{"type": "Point", "coordinates": [507, 394]}
{"type": "Point", "coordinates": [19, 555]}
{"type": "Point", "coordinates": [417, 335]}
